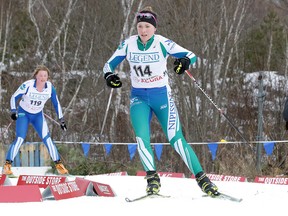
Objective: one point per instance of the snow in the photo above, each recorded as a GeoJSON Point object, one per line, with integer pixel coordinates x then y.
{"type": "Point", "coordinates": [186, 199]}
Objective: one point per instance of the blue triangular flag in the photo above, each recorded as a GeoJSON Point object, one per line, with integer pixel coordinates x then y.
{"type": "Point", "coordinates": [269, 146]}
{"type": "Point", "coordinates": [158, 150]}
{"type": "Point", "coordinates": [86, 148]}
{"type": "Point", "coordinates": [132, 150]}
{"type": "Point", "coordinates": [213, 149]}
{"type": "Point", "coordinates": [108, 148]}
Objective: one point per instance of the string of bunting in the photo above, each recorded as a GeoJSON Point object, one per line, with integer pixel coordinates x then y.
{"type": "Point", "coordinates": [158, 147]}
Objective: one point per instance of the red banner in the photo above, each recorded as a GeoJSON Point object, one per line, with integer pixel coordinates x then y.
{"type": "Point", "coordinates": [116, 174]}
{"type": "Point", "coordinates": [2, 179]}
{"type": "Point", "coordinates": [163, 174]}
{"type": "Point", "coordinates": [272, 180]}
{"type": "Point", "coordinates": [65, 190]}
{"type": "Point", "coordinates": [21, 193]}
{"type": "Point", "coordinates": [94, 188]}
{"type": "Point", "coordinates": [41, 181]}
{"type": "Point", "coordinates": [103, 189]}
{"type": "Point", "coordinates": [217, 177]}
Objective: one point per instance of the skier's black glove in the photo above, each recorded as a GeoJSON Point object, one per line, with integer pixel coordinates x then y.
{"type": "Point", "coordinates": [182, 64]}
{"type": "Point", "coordinates": [14, 116]}
{"type": "Point", "coordinates": [112, 80]}
{"type": "Point", "coordinates": [286, 125]}
{"type": "Point", "coordinates": [62, 124]}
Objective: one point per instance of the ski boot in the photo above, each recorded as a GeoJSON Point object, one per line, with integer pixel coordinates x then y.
{"type": "Point", "coordinates": [60, 168]}
{"type": "Point", "coordinates": [7, 168]}
{"type": "Point", "coordinates": [153, 183]}
{"type": "Point", "coordinates": [206, 185]}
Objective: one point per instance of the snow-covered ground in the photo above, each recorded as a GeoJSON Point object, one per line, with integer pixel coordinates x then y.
{"type": "Point", "coordinates": [186, 199]}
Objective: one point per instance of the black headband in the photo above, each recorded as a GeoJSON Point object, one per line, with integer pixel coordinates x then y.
{"type": "Point", "coordinates": [147, 16]}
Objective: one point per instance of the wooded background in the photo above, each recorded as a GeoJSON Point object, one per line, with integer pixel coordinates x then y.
{"type": "Point", "coordinates": [232, 39]}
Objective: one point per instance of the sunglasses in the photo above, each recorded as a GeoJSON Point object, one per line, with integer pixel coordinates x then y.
{"type": "Point", "coordinates": [145, 15]}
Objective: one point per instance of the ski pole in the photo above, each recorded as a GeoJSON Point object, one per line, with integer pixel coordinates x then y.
{"type": "Point", "coordinates": [107, 109]}
{"type": "Point", "coordinates": [6, 129]}
{"type": "Point", "coordinates": [52, 119]}
{"type": "Point", "coordinates": [215, 105]}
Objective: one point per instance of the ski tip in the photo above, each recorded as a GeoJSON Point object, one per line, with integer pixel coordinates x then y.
{"type": "Point", "coordinates": [238, 199]}
{"type": "Point", "coordinates": [127, 199]}
{"type": "Point", "coordinates": [12, 176]}
{"type": "Point", "coordinates": [228, 197]}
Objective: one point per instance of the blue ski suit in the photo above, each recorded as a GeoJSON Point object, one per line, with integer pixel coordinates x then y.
{"type": "Point", "coordinates": [30, 111]}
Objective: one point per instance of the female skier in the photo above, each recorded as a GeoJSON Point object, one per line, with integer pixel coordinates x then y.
{"type": "Point", "coordinates": [147, 55]}
{"type": "Point", "coordinates": [33, 94]}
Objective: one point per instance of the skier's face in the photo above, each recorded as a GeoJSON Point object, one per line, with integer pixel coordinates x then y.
{"type": "Point", "coordinates": [42, 76]}
{"type": "Point", "coordinates": [145, 31]}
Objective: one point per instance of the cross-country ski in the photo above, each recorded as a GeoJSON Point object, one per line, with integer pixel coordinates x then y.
{"type": "Point", "coordinates": [147, 196]}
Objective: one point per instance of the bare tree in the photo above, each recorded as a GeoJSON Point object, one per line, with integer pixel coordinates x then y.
{"type": "Point", "coordinates": [286, 53]}
{"type": "Point", "coordinates": [6, 27]}
{"type": "Point", "coordinates": [127, 30]}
